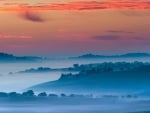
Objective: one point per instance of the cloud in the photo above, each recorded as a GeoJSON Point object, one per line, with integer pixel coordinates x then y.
{"type": "Point", "coordinates": [119, 31]}
{"type": "Point", "coordinates": [140, 38]}
{"type": "Point", "coordinates": [106, 37]}
{"type": "Point", "coordinates": [12, 36]}
{"type": "Point", "coordinates": [83, 5]}
{"type": "Point", "coordinates": [28, 10]}
{"type": "Point", "coordinates": [34, 17]}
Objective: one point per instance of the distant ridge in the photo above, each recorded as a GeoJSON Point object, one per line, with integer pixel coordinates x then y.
{"type": "Point", "coordinates": [5, 57]}
{"type": "Point", "coordinates": [127, 55]}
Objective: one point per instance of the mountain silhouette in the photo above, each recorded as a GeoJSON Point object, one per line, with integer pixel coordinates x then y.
{"type": "Point", "coordinates": [127, 55]}
{"type": "Point", "coordinates": [5, 57]}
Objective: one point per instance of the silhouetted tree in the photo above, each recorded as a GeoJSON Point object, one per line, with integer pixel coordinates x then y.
{"type": "Point", "coordinates": [14, 94]}
{"type": "Point", "coordinates": [43, 94]}
{"type": "Point", "coordinates": [2, 94]}
{"type": "Point", "coordinates": [53, 95]}
{"type": "Point", "coordinates": [29, 93]}
{"type": "Point", "coordinates": [63, 95]}
{"type": "Point", "coordinates": [76, 66]}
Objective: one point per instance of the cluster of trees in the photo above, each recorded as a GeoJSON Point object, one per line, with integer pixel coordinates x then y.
{"type": "Point", "coordinates": [31, 93]}
{"type": "Point", "coordinates": [98, 67]}
{"type": "Point", "coordinates": [90, 69]}
{"type": "Point", "coordinates": [47, 69]}
{"type": "Point", "coordinates": [109, 66]}
{"type": "Point", "coordinates": [38, 70]}
{"type": "Point", "coordinates": [28, 93]}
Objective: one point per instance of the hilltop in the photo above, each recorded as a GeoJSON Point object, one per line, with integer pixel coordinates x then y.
{"type": "Point", "coordinates": [127, 55]}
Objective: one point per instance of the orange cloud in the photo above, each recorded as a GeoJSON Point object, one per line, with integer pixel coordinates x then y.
{"type": "Point", "coordinates": [8, 36]}
{"type": "Point", "coordinates": [81, 5]}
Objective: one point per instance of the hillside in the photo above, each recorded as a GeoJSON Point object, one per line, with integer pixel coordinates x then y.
{"type": "Point", "coordinates": [97, 80]}
{"type": "Point", "coordinates": [5, 57]}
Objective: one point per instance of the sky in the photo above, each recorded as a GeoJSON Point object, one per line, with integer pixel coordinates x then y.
{"type": "Point", "coordinates": [74, 27]}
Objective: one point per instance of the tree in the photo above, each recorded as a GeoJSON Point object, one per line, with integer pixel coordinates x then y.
{"type": "Point", "coordinates": [63, 95]}
{"type": "Point", "coordinates": [14, 94]}
{"type": "Point", "coordinates": [76, 66]}
{"type": "Point", "coordinates": [43, 94]}
{"type": "Point", "coordinates": [29, 93]}
{"type": "Point", "coordinates": [2, 94]}
{"type": "Point", "coordinates": [53, 95]}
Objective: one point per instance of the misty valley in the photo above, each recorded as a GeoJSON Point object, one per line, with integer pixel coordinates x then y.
{"type": "Point", "coordinates": [29, 102]}
{"type": "Point", "coordinates": [74, 56]}
{"type": "Point", "coordinates": [84, 84]}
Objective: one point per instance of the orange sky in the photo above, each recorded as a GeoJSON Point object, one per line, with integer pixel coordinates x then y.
{"type": "Point", "coordinates": [69, 27]}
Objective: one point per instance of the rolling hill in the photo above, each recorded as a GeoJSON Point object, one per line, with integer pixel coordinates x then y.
{"type": "Point", "coordinates": [95, 81]}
